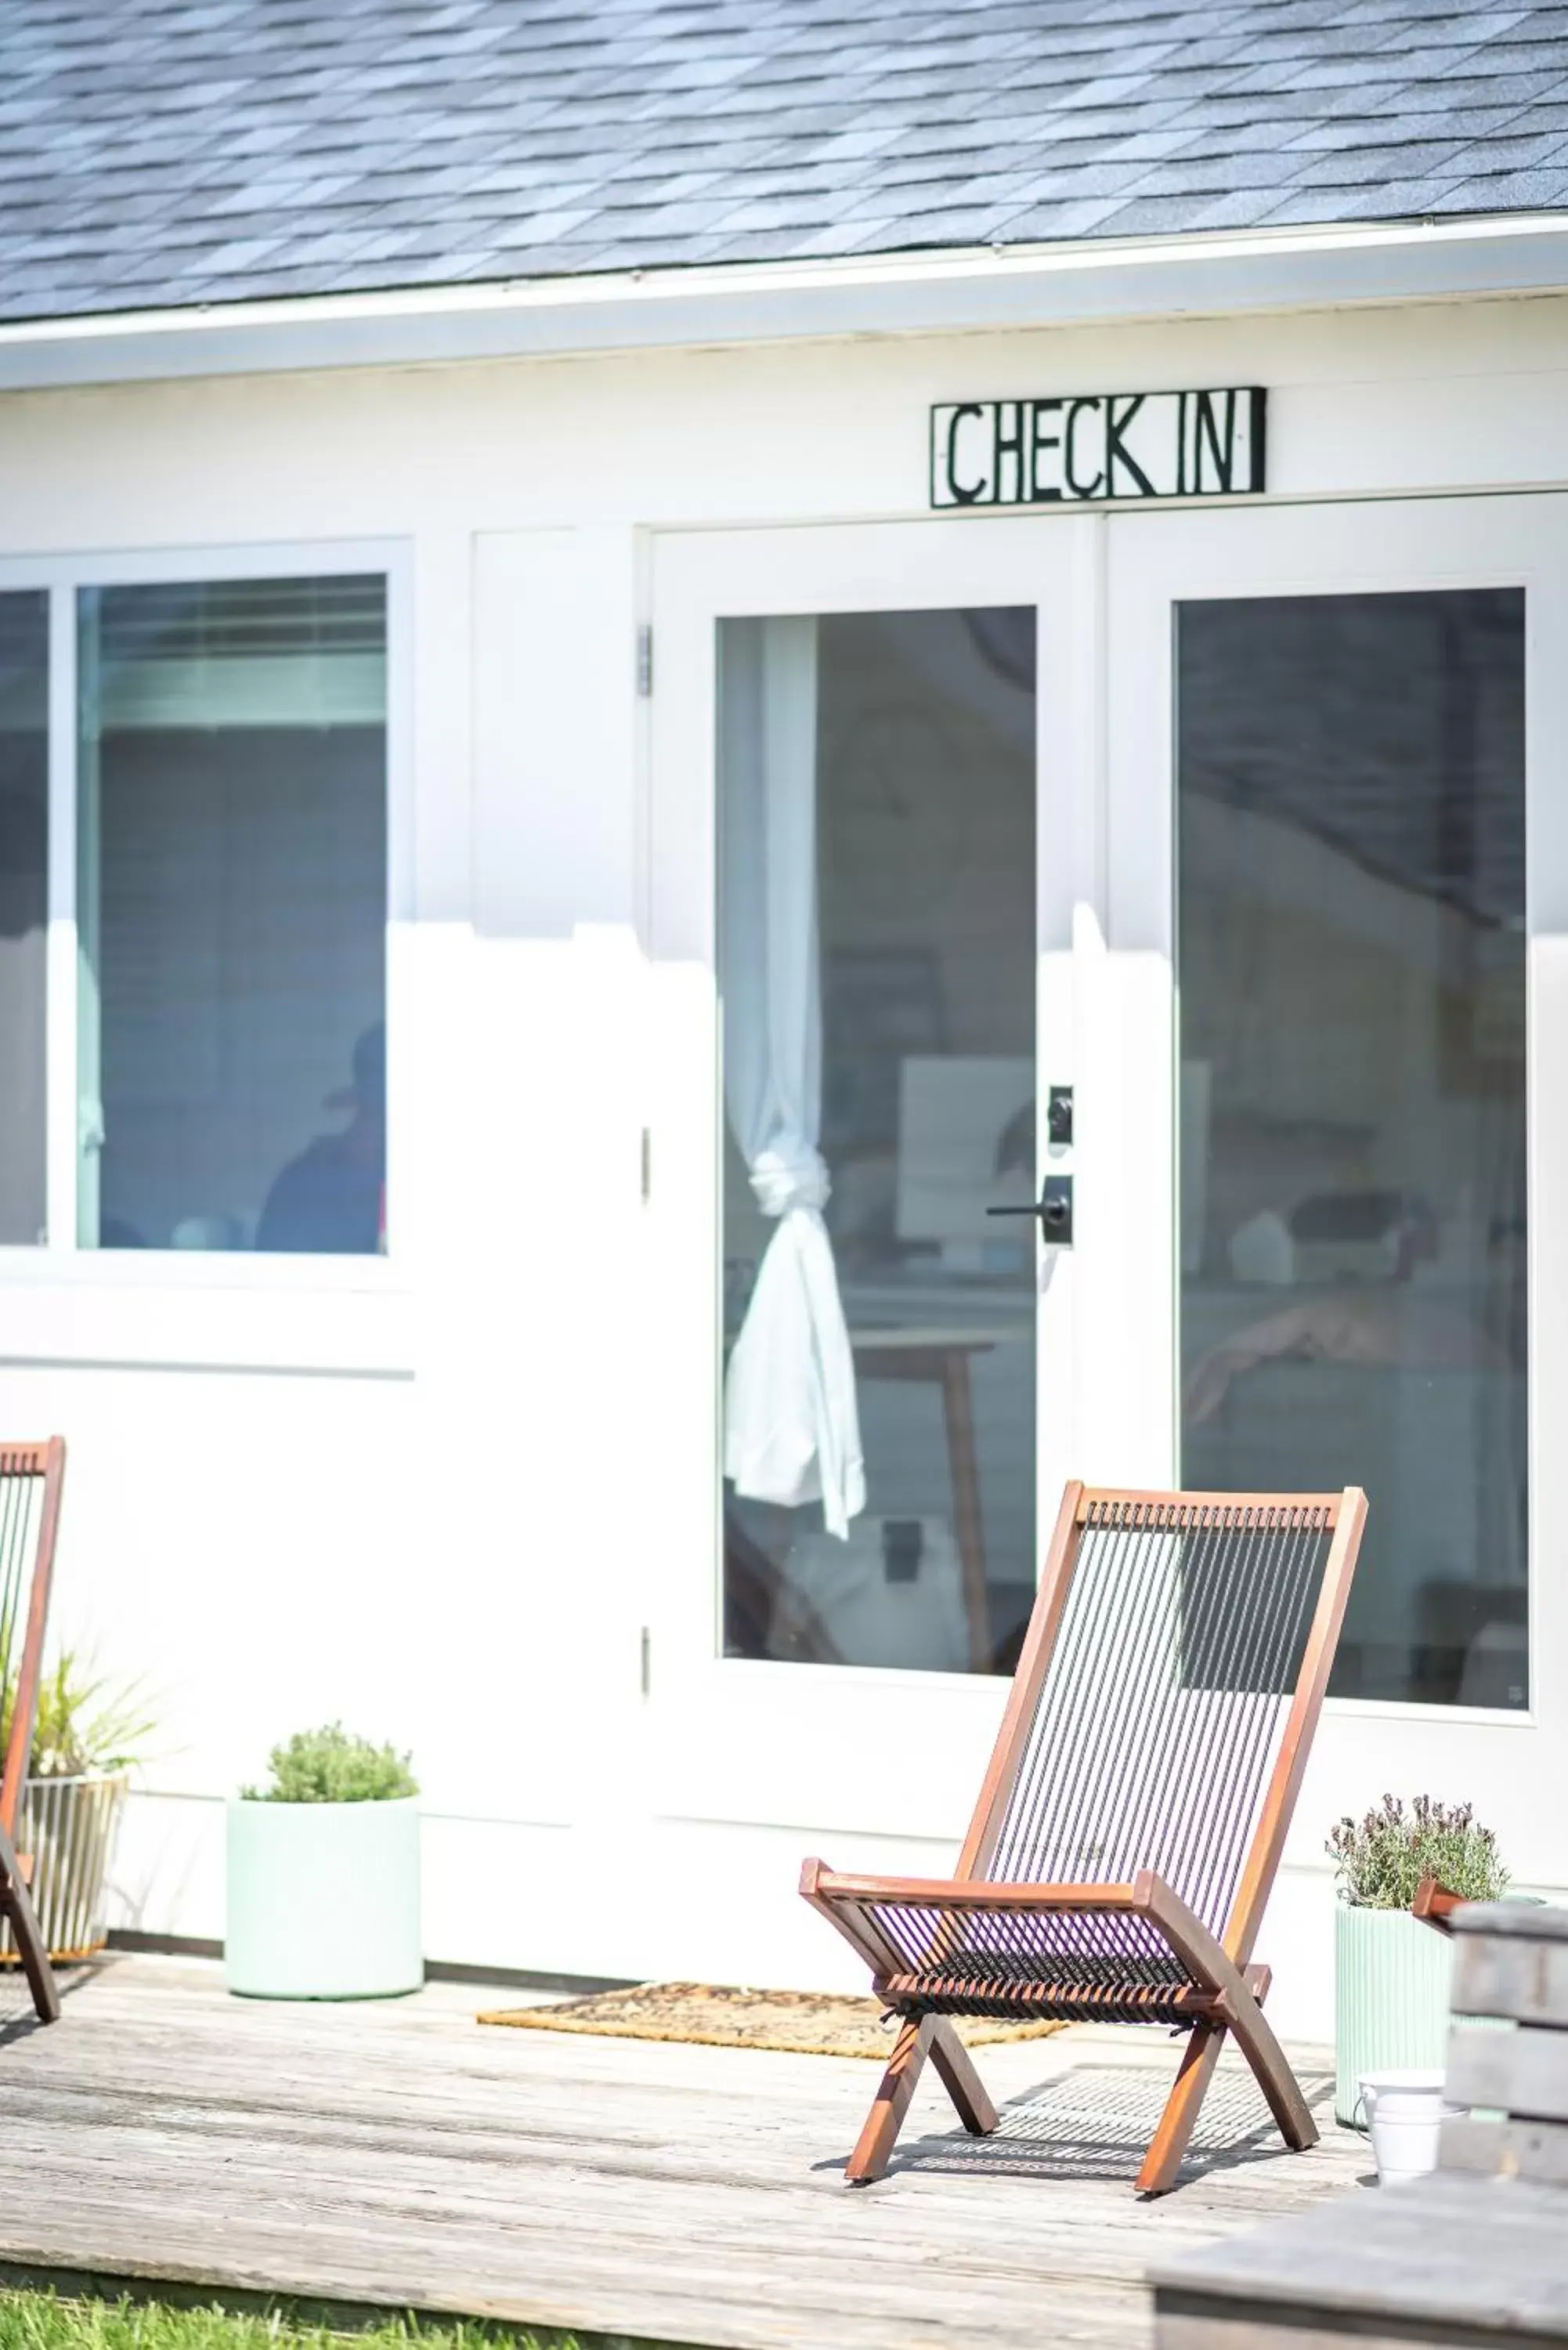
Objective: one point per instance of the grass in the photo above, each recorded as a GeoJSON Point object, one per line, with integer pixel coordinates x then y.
{"type": "Point", "coordinates": [47, 2319]}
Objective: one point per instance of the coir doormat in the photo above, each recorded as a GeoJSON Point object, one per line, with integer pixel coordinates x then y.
{"type": "Point", "coordinates": [715, 2015]}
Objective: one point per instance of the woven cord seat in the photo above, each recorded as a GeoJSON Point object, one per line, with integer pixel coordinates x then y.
{"type": "Point", "coordinates": [1136, 1806]}
{"type": "Point", "coordinates": [31, 1479]}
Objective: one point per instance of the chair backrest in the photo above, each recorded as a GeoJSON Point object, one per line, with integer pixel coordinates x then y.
{"type": "Point", "coordinates": [31, 1477]}
{"type": "Point", "coordinates": [1171, 1680]}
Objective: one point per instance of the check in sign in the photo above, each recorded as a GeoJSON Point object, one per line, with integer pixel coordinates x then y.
{"type": "Point", "coordinates": [1098, 446]}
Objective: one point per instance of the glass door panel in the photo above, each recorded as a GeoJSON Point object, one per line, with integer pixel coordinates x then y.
{"type": "Point", "coordinates": [1352, 1160]}
{"type": "Point", "coordinates": [876, 975]}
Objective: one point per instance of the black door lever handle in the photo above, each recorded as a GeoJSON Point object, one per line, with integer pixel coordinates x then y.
{"type": "Point", "coordinates": [1053, 1208]}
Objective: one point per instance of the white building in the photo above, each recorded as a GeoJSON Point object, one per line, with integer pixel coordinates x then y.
{"type": "Point", "coordinates": [469, 577]}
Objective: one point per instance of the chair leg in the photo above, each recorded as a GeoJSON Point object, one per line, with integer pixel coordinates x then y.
{"type": "Point", "coordinates": [16, 1903]}
{"type": "Point", "coordinates": [886, 2118]}
{"type": "Point", "coordinates": [1255, 2038]}
{"type": "Point", "coordinates": [959, 2079]}
{"type": "Point", "coordinates": [1168, 2144]}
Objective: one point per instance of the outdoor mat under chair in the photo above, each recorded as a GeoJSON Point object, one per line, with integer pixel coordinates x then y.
{"type": "Point", "coordinates": [1135, 1809]}
{"type": "Point", "coordinates": [799, 2023]}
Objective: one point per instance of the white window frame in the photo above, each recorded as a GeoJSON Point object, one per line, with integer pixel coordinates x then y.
{"type": "Point", "coordinates": [60, 1261]}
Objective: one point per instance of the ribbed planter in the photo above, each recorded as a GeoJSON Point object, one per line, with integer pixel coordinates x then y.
{"type": "Point", "coordinates": [1391, 1981]}
{"type": "Point", "coordinates": [322, 1900]}
{"type": "Point", "coordinates": [68, 1825]}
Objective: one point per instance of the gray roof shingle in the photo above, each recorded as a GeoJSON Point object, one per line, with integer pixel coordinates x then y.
{"type": "Point", "coordinates": [155, 152]}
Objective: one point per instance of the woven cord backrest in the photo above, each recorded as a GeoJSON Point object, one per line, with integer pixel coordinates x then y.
{"type": "Point", "coordinates": [1161, 1713]}
{"type": "Point", "coordinates": [30, 1482]}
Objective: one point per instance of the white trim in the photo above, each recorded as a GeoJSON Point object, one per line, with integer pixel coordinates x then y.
{"type": "Point", "coordinates": [239, 1270]}
{"type": "Point", "coordinates": [137, 567]}
{"type": "Point", "coordinates": [1095, 279]}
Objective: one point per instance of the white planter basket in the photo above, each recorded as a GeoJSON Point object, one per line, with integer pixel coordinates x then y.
{"type": "Point", "coordinates": [69, 1826]}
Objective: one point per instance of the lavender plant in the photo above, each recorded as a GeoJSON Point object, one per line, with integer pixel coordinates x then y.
{"type": "Point", "coordinates": [1381, 1859]}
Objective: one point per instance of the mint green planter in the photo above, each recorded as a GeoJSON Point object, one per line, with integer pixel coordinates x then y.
{"type": "Point", "coordinates": [322, 1900]}
{"type": "Point", "coordinates": [1390, 1996]}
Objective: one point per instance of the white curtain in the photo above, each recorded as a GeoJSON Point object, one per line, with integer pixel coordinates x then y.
{"type": "Point", "coordinates": [791, 1431]}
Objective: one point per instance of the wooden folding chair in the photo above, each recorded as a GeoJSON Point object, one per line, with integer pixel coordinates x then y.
{"type": "Point", "coordinates": [1136, 1806]}
{"type": "Point", "coordinates": [1435, 1906]}
{"type": "Point", "coordinates": [31, 1478]}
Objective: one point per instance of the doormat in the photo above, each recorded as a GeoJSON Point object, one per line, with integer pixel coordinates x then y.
{"type": "Point", "coordinates": [716, 2015]}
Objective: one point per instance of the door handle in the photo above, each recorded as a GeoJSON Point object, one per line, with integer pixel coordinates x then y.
{"type": "Point", "coordinates": [1053, 1208]}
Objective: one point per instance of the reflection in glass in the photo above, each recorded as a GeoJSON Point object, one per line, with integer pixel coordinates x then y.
{"type": "Point", "coordinates": [1351, 860]}
{"type": "Point", "coordinates": [231, 893]}
{"type": "Point", "coordinates": [23, 909]}
{"type": "Point", "coordinates": [876, 965]}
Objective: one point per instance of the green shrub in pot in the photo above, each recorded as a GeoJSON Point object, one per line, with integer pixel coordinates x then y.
{"type": "Point", "coordinates": [1392, 1972]}
{"type": "Point", "coordinates": [327, 1766]}
{"type": "Point", "coordinates": [324, 1874]}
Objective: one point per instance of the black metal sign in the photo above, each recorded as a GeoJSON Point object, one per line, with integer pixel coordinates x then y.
{"type": "Point", "coordinates": [1109, 445]}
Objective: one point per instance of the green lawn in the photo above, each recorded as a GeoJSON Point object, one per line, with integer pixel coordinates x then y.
{"type": "Point", "coordinates": [47, 2320]}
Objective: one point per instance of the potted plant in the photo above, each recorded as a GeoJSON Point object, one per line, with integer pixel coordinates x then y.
{"type": "Point", "coordinates": [1391, 1971]}
{"type": "Point", "coordinates": [86, 1739]}
{"type": "Point", "coordinates": [324, 1874]}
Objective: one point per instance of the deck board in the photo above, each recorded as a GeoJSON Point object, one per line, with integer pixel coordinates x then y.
{"type": "Point", "coordinates": [399, 2153]}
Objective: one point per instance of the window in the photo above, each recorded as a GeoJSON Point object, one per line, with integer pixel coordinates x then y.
{"type": "Point", "coordinates": [23, 909]}
{"type": "Point", "coordinates": [1352, 922]}
{"type": "Point", "coordinates": [231, 916]}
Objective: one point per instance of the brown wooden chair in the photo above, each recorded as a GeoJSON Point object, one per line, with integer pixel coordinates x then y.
{"type": "Point", "coordinates": [1435, 1905]}
{"type": "Point", "coordinates": [1136, 1806]}
{"type": "Point", "coordinates": [31, 1478]}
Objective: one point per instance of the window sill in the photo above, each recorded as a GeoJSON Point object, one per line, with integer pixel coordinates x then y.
{"type": "Point", "coordinates": [205, 1269]}
{"type": "Point", "coordinates": [322, 1316]}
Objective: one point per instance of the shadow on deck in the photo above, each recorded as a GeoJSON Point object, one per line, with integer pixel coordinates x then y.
{"type": "Point", "coordinates": [1096, 2123]}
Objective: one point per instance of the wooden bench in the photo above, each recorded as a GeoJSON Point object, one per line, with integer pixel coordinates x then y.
{"type": "Point", "coordinates": [1476, 2253]}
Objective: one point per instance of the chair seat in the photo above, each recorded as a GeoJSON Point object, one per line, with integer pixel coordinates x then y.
{"type": "Point", "coordinates": [982, 1983]}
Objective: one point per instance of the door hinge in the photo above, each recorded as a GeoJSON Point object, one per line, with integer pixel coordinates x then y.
{"type": "Point", "coordinates": [645, 660]}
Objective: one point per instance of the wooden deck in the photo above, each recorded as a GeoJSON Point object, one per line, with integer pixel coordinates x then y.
{"type": "Point", "coordinates": [397, 2153]}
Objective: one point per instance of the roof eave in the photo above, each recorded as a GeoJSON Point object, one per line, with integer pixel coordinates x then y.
{"type": "Point", "coordinates": [955, 291]}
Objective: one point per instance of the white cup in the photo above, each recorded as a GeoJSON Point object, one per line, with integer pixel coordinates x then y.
{"type": "Point", "coordinates": [1405, 2111]}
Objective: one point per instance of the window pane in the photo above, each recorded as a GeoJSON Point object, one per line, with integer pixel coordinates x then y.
{"type": "Point", "coordinates": [1351, 849]}
{"type": "Point", "coordinates": [876, 966]}
{"type": "Point", "coordinates": [232, 915]}
{"type": "Point", "coordinates": [23, 909]}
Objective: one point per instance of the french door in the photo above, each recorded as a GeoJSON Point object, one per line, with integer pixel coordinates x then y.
{"type": "Point", "coordinates": [1209, 870]}
{"type": "Point", "coordinates": [1319, 1237]}
{"type": "Point", "coordinates": [860, 849]}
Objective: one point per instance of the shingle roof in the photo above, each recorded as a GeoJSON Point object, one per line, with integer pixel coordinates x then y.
{"type": "Point", "coordinates": [177, 152]}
